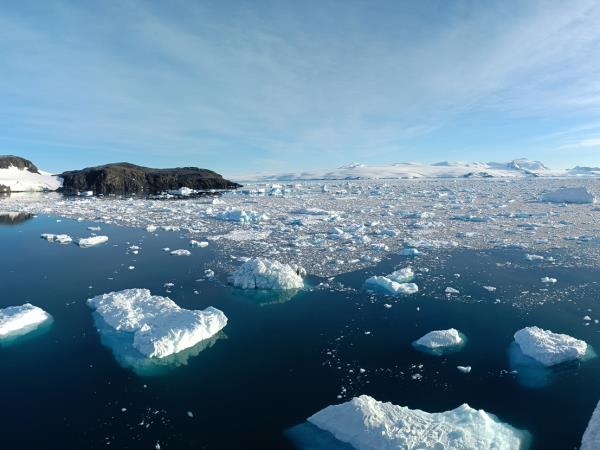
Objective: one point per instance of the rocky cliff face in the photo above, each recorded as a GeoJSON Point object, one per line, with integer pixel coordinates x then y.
{"type": "Point", "coordinates": [7, 161]}
{"type": "Point", "coordinates": [125, 178]}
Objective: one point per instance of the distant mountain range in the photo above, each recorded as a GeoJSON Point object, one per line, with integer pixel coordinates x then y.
{"type": "Point", "coordinates": [518, 168]}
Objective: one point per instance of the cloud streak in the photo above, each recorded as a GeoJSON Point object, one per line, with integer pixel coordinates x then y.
{"type": "Point", "coordinates": [234, 84]}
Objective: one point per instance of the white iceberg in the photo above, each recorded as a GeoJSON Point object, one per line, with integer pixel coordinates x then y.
{"type": "Point", "coordinates": [160, 327]}
{"type": "Point", "coordinates": [549, 348]}
{"type": "Point", "coordinates": [60, 238]}
{"type": "Point", "coordinates": [180, 252]}
{"type": "Point", "coordinates": [199, 244]}
{"type": "Point", "coordinates": [439, 342]}
{"type": "Point", "coordinates": [368, 424]}
{"type": "Point", "coordinates": [393, 287]}
{"type": "Point", "coordinates": [92, 241]}
{"type": "Point", "coordinates": [569, 195]}
{"type": "Point", "coordinates": [402, 276]}
{"type": "Point", "coordinates": [18, 320]}
{"type": "Point", "coordinates": [260, 273]}
{"type": "Point", "coordinates": [242, 216]}
{"type": "Point", "coordinates": [591, 437]}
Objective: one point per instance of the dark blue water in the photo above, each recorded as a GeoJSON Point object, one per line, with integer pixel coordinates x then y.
{"type": "Point", "coordinates": [279, 360]}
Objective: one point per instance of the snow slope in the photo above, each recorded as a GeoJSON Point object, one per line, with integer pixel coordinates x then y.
{"type": "Point", "coordinates": [366, 423]}
{"type": "Point", "coordinates": [23, 180]}
{"type": "Point", "coordinates": [514, 169]}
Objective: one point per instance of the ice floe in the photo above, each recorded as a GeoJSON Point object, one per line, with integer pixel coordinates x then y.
{"type": "Point", "coordinates": [549, 348]}
{"type": "Point", "coordinates": [368, 424]}
{"type": "Point", "coordinates": [569, 195]}
{"type": "Point", "coordinates": [60, 238]}
{"type": "Point", "coordinates": [591, 437]}
{"type": "Point", "coordinates": [92, 241]}
{"type": "Point", "coordinates": [439, 342]}
{"type": "Point", "coordinates": [180, 252]}
{"type": "Point", "coordinates": [19, 320]}
{"type": "Point", "coordinates": [261, 273]}
{"type": "Point", "coordinates": [159, 326]}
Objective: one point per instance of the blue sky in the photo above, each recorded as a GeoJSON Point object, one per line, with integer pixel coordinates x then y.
{"type": "Point", "coordinates": [244, 86]}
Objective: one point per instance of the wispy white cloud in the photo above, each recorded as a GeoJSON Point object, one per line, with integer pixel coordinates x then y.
{"type": "Point", "coordinates": [271, 81]}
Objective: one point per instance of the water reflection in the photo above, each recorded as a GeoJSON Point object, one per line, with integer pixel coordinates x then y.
{"type": "Point", "coordinates": [307, 436]}
{"type": "Point", "coordinates": [14, 218]}
{"type": "Point", "coordinates": [121, 345]}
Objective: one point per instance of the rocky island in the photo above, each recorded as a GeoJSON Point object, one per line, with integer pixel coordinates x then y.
{"type": "Point", "coordinates": [126, 178]}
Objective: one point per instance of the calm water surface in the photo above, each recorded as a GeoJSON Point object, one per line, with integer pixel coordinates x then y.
{"type": "Point", "coordinates": [280, 359]}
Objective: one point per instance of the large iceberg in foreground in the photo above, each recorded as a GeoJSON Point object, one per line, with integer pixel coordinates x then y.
{"type": "Point", "coordinates": [549, 348]}
{"type": "Point", "coordinates": [160, 327]}
{"type": "Point", "coordinates": [368, 424]}
{"type": "Point", "coordinates": [591, 437]}
{"type": "Point", "coordinates": [18, 320]}
{"type": "Point", "coordinates": [569, 195]}
{"type": "Point", "coordinates": [260, 273]}
{"type": "Point", "coordinates": [440, 341]}
{"type": "Point", "coordinates": [92, 241]}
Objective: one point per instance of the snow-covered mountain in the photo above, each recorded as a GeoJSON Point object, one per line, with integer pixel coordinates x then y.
{"type": "Point", "coordinates": [21, 175]}
{"type": "Point", "coordinates": [447, 169]}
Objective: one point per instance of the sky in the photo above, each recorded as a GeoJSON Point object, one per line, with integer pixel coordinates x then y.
{"type": "Point", "coordinates": [248, 86]}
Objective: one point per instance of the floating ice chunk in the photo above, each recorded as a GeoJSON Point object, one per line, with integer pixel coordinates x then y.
{"type": "Point", "coordinates": [92, 241]}
{"type": "Point", "coordinates": [392, 286]}
{"type": "Point", "coordinates": [534, 257]}
{"type": "Point", "coordinates": [183, 191]}
{"type": "Point", "coordinates": [402, 276]}
{"type": "Point", "coordinates": [569, 195]}
{"type": "Point", "coordinates": [160, 327]}
{"type": "Point", "coordinates": [409, 252]}
{"type": "Point", "coordinates": [548, 280]}
{"type": "Point", "coordinates": [200, 244]}
{"type": "Point", "coordinates": [464, 369]}
{"type": "Point", "coordinates": [367, 424]}
{"type": "Point", "coordinates": [151, 228]}
{"type": "Point", "coordinates": [439, 342]}
{"type": "Point", "coordinates": [60, 238]}
{"type": "Point", "coordinates": [18, 320]}
{"type": "Point", "coordinates": [180, 252]}
{"type": "Point", "coordinates": [591, 437]}
{"type": "Point", "coordinates": [260, 273]}
{"type": "Point", "coordinates": [310, 211]}
{"type": "Point", "coordinates": [239, 215]}
{"type": "Point", "coordinates": [549, 348]}
{"type": "Point", "coordinates": [490, 288]}
{"type": "Point", "coordinates": [451, 290]}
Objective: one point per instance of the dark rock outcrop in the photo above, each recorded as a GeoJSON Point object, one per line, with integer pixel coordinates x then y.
{"type": "Point", "coordinates": [7, 161]}
{"type": "Point", "coordinates": [125, 178]}
{"type": "Point", "coordinates": [4, 189]}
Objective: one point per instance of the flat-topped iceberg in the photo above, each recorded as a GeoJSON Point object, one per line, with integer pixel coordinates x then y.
{"type": "Point", "coordinates": [60, 238]}
{"type": "Point", "coordinates": [591, 437]}
{"type": "Point", "coordinates": [160, 327]}
{"type": "Point", "coordinates": [439, 342]}
{"type": "Point", "coordinates": [549, 348]}
{"type": "Point", "coordinates": [92, 241]}
{"type": "Point", "coordinates": [368, 424]}
{"type": "Point", "coordinates": [261, 273]}
{"type": "Point", "coordinates": [180, 252]}
{"type": "Point", "coordinates": [19, 320]}
{"type": "Point", "coordinates": [569, 195]}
